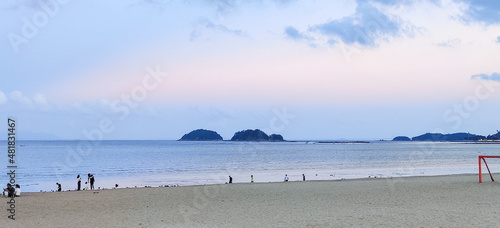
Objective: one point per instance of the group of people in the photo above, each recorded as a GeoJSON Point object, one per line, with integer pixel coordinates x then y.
{"type": "Point", "coordinates": [10, 191]}
{"type": "Point", "coordinates": [90, 180]}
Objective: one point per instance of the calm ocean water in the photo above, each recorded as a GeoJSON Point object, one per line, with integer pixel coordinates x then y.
{"type": "Point", "coordinates": [153, 163]}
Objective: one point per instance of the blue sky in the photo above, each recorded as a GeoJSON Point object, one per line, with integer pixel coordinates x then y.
{"type": "Point", "coordinates": [342, 69]}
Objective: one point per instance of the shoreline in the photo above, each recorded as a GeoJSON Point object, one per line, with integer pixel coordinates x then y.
{"type": "Point", "coordinates": [485, 175]}
{"type": "Point", "coordinates": [311, 178]}
{"type": "Point", "coordinates": [486, 178]}
{"type": "Point", "coordinates": [428, 201]}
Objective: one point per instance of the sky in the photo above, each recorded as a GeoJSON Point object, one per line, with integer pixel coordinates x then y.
{"type": "Point", "coordinates": [308, 70]}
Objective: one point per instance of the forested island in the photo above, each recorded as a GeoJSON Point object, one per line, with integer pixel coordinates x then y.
{"type": "Point", "coordinates": [246, 135]}
{"type": "Point", "coordinates": [454, 137]}
{"type": "Point", "coordinates": [401, 138]}
{"type": "Point", "coordinates": [201, 135]}
{"type": "Point", "coordinates": [256, 135]}
{"type": "Point", "coordinates": [494, 136]}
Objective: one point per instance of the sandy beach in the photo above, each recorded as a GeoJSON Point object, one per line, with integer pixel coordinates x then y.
{"type": "Point", "coordinates": [440, 201]}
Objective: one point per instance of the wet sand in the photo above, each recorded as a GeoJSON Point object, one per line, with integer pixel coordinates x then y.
{"type": "Point", "coordinates": [442, 201]}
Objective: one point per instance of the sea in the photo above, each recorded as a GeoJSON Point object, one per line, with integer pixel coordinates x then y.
{"type": "Point", "coordinates": [39, 165]}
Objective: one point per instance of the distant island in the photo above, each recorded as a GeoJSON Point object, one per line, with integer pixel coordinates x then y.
{"type": "Point", "coordinates": [259, 136]}
{"type": "Point", "coordinates": [448, 137]}
{"type": "Point", "coordinates": [201, 135]}
{"type": "Point", "coordinates": [256, 135]}
{"type": "Point", "coordinates": [401, 138]}
{"type": "Point", "coordinates": [494, 136]}
{"type": "Point", "coordinates": [246, 135]}
{"type": "Point", "coordinates": [454, 137]}
{"type": "Point", "coordinates": [276, 138]}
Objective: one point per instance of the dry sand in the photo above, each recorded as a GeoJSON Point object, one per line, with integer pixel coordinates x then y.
{"type": "Point", "coordinates": [443, 201]}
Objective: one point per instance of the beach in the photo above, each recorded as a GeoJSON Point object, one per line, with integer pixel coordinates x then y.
{"type": "Point", "coordinates": [432, 201]}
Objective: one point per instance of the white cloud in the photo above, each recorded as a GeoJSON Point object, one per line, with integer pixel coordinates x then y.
{"type": "Point", "coordinates": [20, 98]}
{"type": "Point", "coordinates": [40, 100]}
{"type": "Point", "coordinates": [3, 98]}
{"type": "Point", "coordinates": [22, 101]}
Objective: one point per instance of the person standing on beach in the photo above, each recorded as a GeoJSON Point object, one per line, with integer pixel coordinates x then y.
{"type": "Point", "coordinates": [79, 182]}
{"type": "Point", "coordinates": [91, 180]}
{"type": "Point", "coordinates": [59, 187]}
{"type": "Point", "coordinates": [303, 177]}
{"type": "Point", "coordinates": [230, 179]}
{"type": "Point", "coordinates": [251, 178]}
{"type": "Point", "coordinates": [86, 186]}
{"type": "Point", "coordinates": [286, 178]}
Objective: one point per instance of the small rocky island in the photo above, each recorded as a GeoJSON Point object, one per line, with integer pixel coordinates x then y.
{"type": "Point", "coordinates": [401, 138]}
{"type": "Point", "coordinates": [276, 138]}
{"type": "Point", "coordinates": [201, 135]}
{"type": "Point", "coordinates": [256, 136]}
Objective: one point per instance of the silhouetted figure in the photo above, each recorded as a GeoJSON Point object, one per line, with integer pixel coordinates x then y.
{"type": "Point", "coordinates": [286, 178]}
{"type": "Point", "coordinates": [9, 190]}
{"type": "Point", "coordinates": [91, 180]}
{"type": "Point", "coordinates": [230, 179]}
{"type": "Point", "coordinates": [59, 187]}
{"type": "Point", "coordinates": [79, 181]}
{"type": "Point", "coordinates": [303, 177]}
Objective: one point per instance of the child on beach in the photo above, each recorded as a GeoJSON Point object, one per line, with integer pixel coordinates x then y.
{"type": "Point", "coordinates": [286, 178]}
{"type": "Point", "coordinates": [86, 186]}
{"type": "Point", "coordinates": [17, 192]}
{"type": "Point", "coordinates": [5, 191]}
{"type": "Point", "coordinates": [59, 187]}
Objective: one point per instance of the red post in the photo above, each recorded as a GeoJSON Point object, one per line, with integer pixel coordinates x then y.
{"type": "Point", "coordinates": [480, 174]}
{"type": "Point", "coordinates": [483, 157]}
